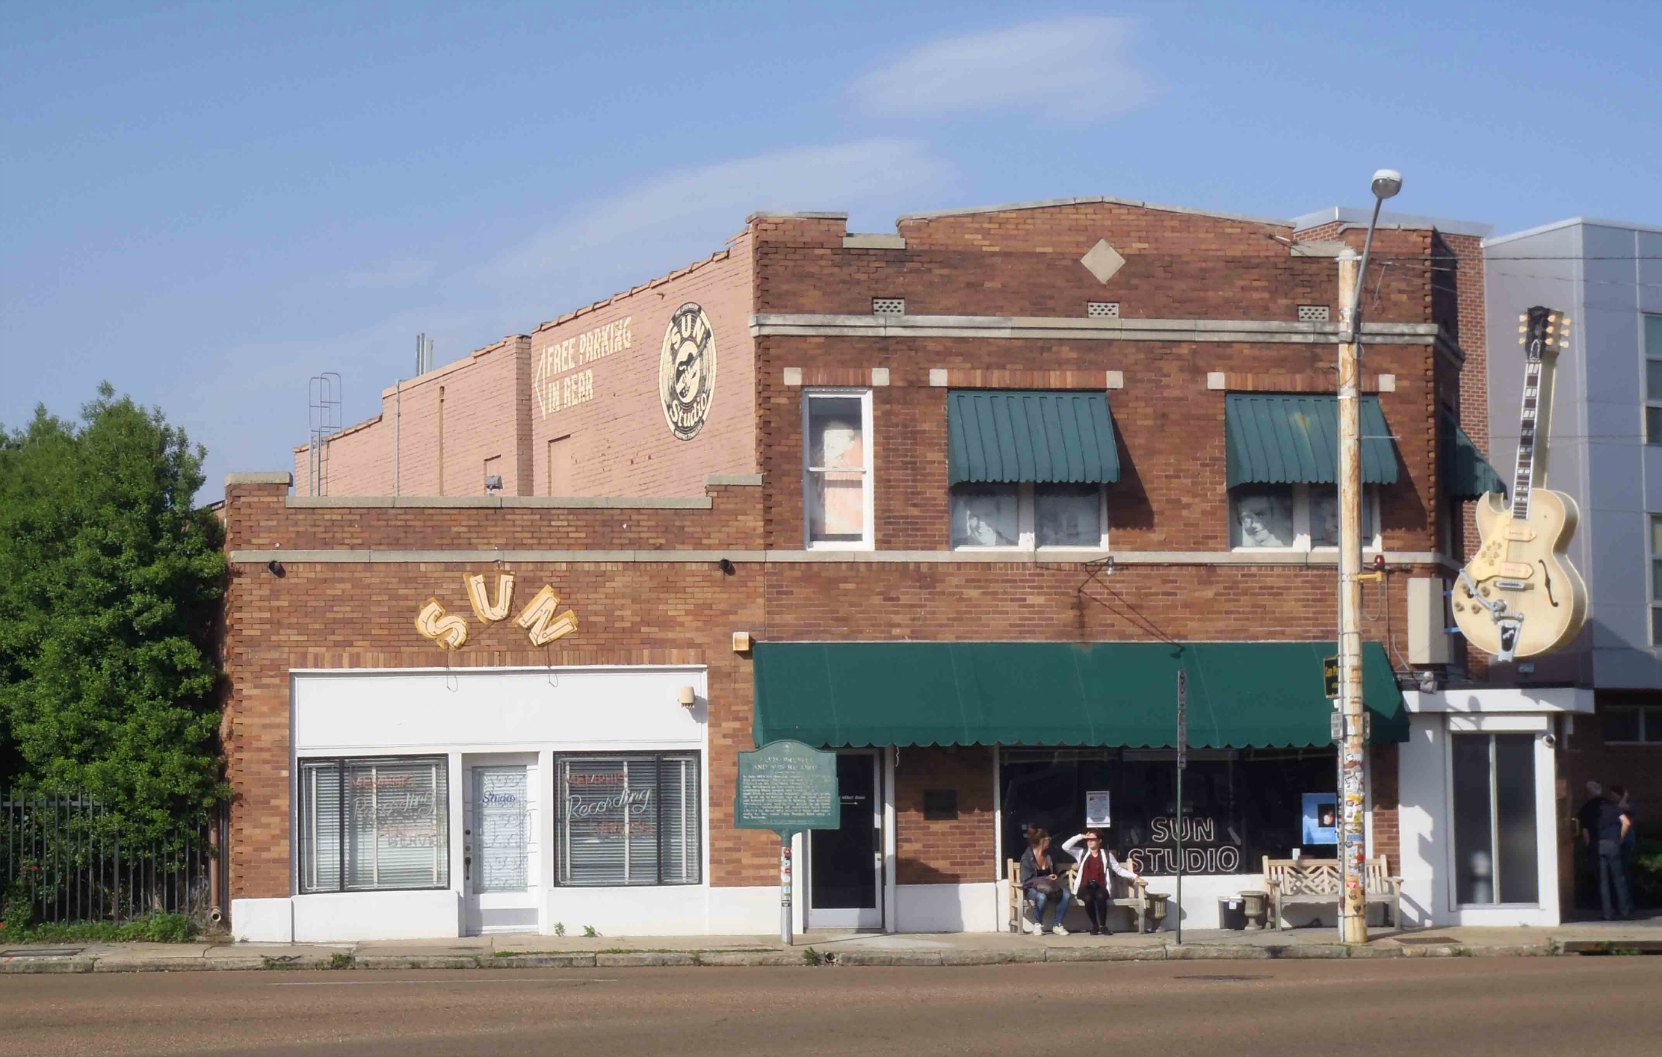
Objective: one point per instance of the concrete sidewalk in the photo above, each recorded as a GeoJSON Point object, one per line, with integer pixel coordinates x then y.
{"type": "Point", "coordinates": [830, 948]}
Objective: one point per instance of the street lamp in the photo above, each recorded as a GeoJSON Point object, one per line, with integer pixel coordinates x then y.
{"type": "Point", "coordinates": [1353, 922]}
{"type": "Point", "coordinates": [1386, 184]}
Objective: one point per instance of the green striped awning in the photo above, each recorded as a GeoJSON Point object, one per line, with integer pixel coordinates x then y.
{"type": "Point", "coordinates": [1278, 438]}
{"type": "Point", "coordinates": [1241, 694]}
{"type": "Point", "coordinates": [1466, 473]}
{"type": "Point", "coordinates": [1007, 436]}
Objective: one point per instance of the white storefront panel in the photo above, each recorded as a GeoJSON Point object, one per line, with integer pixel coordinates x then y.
{"type": "Point", "coordinates": [1450, 879]}
{"type": "Point", "coordinates": [489, 743]}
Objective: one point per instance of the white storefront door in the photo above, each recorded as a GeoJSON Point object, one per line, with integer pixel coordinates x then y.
{"type": "Point", "coordinates": [845, 865]}
{"type": "Point", "coordinates": [499, 859]}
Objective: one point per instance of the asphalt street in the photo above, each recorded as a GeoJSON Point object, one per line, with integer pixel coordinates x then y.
{"type": "Point", "coordinates": [1608, 1006]}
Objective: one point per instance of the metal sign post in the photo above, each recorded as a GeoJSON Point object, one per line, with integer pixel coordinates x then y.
{"type": "Point", "coordinates": [785, 888]}
{"type": "Point", "coordinates": [1182, 759]}
{"type": "Point", "coordinates": [790, 788]}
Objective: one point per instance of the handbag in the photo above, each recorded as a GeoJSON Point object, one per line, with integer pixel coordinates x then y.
{"type": "Point", "coordinates": [1046, 885]}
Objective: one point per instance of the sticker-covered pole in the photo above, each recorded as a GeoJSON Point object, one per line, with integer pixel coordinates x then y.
{"type": "Point", "coordinates": [785, 888]}
{"type": "Point", "coordinates": [1353, 927]}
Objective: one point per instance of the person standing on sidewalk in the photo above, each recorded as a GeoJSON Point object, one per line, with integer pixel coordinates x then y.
{"type": "Point", "coordinates": [1630, 842]}
{"type": "Point", "coordinates": [1612, 828]}
{"type": "Point", "coordinates": [1040, 880]}
{"type": "Point", "coordinates": [1091, 881]}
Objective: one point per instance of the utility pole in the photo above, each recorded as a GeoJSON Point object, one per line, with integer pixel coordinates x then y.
{"type": "Point", "coordinates": [1353, 797]}
{"type": "Point", "coordinates": [1353, 922]}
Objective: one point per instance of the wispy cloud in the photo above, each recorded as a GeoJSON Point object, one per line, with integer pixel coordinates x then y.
{"type": "Point", "coordinates": [248, 400]}
{"type": "Point", "coordinates": [1064, 70]}
{"type": "Point", "coordinates": [688, 211]}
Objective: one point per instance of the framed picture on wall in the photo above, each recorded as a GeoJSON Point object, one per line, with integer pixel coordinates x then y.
{"type": "Point", "coordinates": [1321, 818]}
{"type": "Point", "coordinates": [1096, 808]}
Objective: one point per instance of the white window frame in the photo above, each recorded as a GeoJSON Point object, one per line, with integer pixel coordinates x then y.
{"type": "Point", "coordinates": [868, 490]}
{"type": "Point", "coordinates": [307, 830]}
{"type": "Point", "coordinates": [1654, 558]}
{"type": "Point", "coordinates": [1302, 507]}
{"type": "Point", "coordinates": [1652, 355]}
{"type": "Point", "coordinates": [1027, 534]}
{"type": "Point", "coordinates": [562, 831]}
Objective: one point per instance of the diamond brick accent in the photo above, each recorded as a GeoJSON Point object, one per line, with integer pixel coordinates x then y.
{"type": "Point", "coordinates": [1102, 261]}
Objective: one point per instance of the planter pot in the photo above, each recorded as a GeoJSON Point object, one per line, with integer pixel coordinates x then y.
{"type": "Point", "coordinates": [1256, 905]}
{"type": "Point", "coordinates": [1158, 906]}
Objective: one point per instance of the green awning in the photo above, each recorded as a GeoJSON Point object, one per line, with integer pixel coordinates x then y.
{"type": "Point", "coordinates": [1278, 438]}
{"type": "Point", "coordinates": [1030, 435]}
{"type": "Point", "coordinates": [1466, 474]}
{"type": "Point", "coordinates": [1241, 694]}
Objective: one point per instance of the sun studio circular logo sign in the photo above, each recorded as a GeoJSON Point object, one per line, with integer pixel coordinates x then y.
{"type": "Point", "coordinates": [687, 371]}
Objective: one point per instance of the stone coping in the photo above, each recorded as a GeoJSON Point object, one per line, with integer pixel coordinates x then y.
{"type": "Point", "coordinates": [1064, 556]}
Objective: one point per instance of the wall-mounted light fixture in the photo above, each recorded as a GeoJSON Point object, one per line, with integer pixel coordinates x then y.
{"type": "Point", "coordinates": [687, 697]}
{"type": "Point", "coordinates": [275, 567]}
{"type": "Point", "coordinates": [741, 642]}
{"type": "Point", "coordinates": [726, 566]}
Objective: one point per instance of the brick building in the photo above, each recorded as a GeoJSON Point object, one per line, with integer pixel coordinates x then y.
{"type": "Point", "coordinates": [975, 492]}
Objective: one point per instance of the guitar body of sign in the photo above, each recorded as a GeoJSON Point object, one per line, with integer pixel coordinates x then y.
{"type": "Point", "coordinates": [787, 787]}
{"type": "Point", "coordinates": [1519, 595]}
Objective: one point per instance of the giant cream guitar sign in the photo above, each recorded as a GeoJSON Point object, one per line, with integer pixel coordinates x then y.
{"type": "Point", "coordinates": [1520, 596]}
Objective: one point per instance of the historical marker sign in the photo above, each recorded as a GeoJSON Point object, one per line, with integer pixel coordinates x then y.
{"type": "Point", "coordinates": [787, 787]}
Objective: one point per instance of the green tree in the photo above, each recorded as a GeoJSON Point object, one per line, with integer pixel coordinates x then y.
{"type": "Point", "coordinates": [110, 580]}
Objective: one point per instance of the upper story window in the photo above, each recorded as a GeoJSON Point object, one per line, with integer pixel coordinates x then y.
{"type": "Point", "coordinates": [1027, 468]}
{"type": "Point", "coordinates": [837, 468]}
{"type": "Point", "coordinates": [1029, 515]}
{"type": "Point", "coordinates": [1656, 580]}
{"type": "Point", "coordinates": [1653, 379]}
{"type": "Point", "coordinates": [1282, 462]}
{"type": "Point", "coordinates": [1296, 517]}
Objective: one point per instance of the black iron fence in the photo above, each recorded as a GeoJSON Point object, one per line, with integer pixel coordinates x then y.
{"type": "Point", "coordinates": [66, 859]}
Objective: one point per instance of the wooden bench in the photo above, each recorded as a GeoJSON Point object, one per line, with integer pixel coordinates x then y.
{"type": "Point", "coordinates": [1292, 882]}
{"type": "Point", "coordinates": [1135, 898]}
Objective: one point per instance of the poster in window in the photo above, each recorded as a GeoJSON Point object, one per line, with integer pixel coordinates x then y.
{"type": "Point", "coordinates": [1096, 807]}
{"type": "Point", "coordinates": [1321, 818]}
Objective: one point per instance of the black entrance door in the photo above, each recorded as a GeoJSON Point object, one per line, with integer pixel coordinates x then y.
{"type": "Point", "coordinates": [844, 863]}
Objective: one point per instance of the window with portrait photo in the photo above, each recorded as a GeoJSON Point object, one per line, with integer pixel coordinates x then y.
{"type": "Point", "coordinates": [1261, 516]}
{"type": "Point", "coordinates": [1025, 516]}
{"type": "Point", "coordinates": [1294, 517]}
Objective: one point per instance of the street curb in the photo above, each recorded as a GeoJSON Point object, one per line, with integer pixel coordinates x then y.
{"type": "Point", "coordinates": [795, 958]}
{"type": "Point", "coordinates": [754, 958]}
{"type": "Point", "coordinates": [547, 960]}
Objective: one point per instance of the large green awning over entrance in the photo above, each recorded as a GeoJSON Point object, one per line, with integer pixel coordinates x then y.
{"type": "Point", "coordinates": [1241, 694]}
{"type": "Point", "coordinates": [1280, 438]}
{"type": "Point", "coordinates": [1006, 436]}
{"type": "Point", "coordinates": [1466, 473]}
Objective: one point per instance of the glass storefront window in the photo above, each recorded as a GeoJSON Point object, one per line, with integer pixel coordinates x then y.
{"type": "Point", "coordinates": [628, 820]}
{"type": "Point", "coordinates": [1239, 806]}
{"type": "Point", "coordinates": [1494, 819]}
{"type": "Point", "coordinates": [379, 824]}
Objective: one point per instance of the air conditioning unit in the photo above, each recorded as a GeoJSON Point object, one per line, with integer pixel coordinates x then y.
{"type": "Point", "coordinates": [1428, 621]}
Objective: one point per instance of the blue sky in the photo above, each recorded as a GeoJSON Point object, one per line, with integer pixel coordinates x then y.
{"type": "Point", "coordinates": [207, 203]}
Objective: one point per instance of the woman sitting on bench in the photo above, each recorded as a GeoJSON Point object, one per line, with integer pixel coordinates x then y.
{"type": "Point", "coordinates": [1043, 886]}
{"type": "Point", "coordinates": [1092, 877]}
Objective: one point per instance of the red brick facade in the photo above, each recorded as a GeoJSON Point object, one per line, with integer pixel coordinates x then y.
{"type": "Point", "coordinates": [659, 595]}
